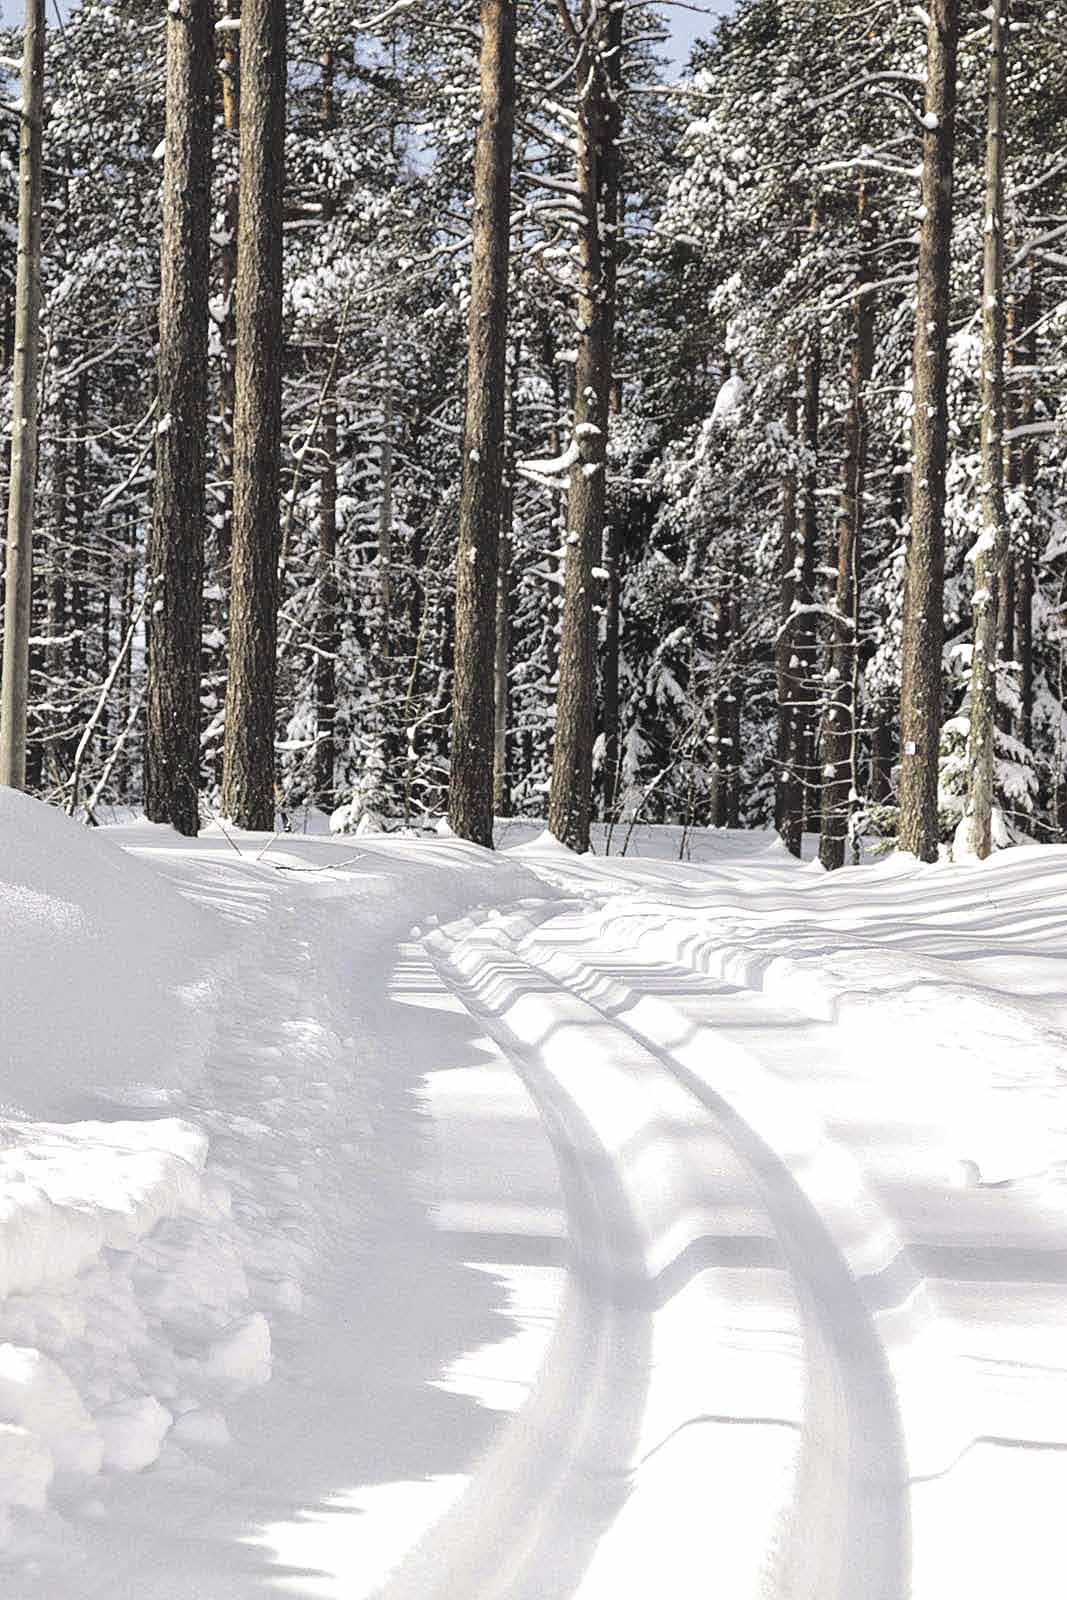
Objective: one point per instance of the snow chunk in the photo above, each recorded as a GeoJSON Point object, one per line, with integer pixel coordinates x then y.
{"type": "Point", "coordinates": [242, 1356]}
{"type": "Point", "coordinates": [26, 1468]}
{"type": "Point", "coordinates": [729, 400]}
{"type": "Point", "coordinates": [133, 1432]}
{"type": "Point", "coordinates": [37, 1395]}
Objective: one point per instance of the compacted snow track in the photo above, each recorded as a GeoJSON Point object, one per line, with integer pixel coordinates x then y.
{"type": "Point", "coordinates": [684, 1221]}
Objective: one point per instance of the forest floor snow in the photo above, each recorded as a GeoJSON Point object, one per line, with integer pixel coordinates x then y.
{"type": "Point", "coordinates": [381, 1216]}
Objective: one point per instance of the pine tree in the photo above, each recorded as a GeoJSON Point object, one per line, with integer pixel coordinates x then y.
{"type": "Point", "coordinates": [920, 692]}
{"type": "Point", "coordinates": [248, 773]}
{"type": "Point", "coordinates": [172, 748]}
{"type": "Point", "coordinates": [470, 791]}
{"type": "Point", "coordinates": [597, 36]}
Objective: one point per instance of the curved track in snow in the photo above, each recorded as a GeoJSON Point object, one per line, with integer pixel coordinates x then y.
{"type": "Point", "coordinates": [712, 1316]}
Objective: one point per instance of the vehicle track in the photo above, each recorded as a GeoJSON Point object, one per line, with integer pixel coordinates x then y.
{"type": "Point", "coordinates": [847, 1530]}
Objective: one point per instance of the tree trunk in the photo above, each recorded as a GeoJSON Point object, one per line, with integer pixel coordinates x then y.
{"type": "Point", "coordinates": [924, 623]}
{"type": "Point", "coordinates": [788, 812]}
{"type": "Point", "coordinates": [840, 752]}
{"type": "Point", "coordinates": [231, 106]}
{"type": "Point", "coordinates": [502, 659]}
{"type": "Point", "coordinates": [1024, 586]}
{"type": "Point", "coordinates": [992, 542]}
{"type": "Point", "coordinates": [609, 686]}
{"type": "Point", "coordinates": [805, 646]}
{"type": "Point", "coordinates": [327, 629]}
{"type": "Point", "coordinates": [248, 770]}
{"type": "Point", "coordinates": [599, 51]}
{"type": "Point", "coordinates": [470, 786]}
{"type": "Point", "coordinates": [18, 592]}
{"type": "Point", "coordinates": [57, 756]}
{"type": "Point", "coordinates": [172, 747]}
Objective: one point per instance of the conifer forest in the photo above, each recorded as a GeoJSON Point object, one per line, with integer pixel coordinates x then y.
{"type": "Point", "coordinates": [435, 408]}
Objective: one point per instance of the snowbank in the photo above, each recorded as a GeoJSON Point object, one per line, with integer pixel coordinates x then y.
{"type": "Point", "coordinates": [143, 1262]}
{"type": "Point", "coordinates": [107, 977]}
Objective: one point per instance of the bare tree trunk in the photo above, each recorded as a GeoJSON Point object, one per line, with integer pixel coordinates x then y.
{"type": "Point", "coordinates": [788, 804]}
{"type": "Point", "coordinates": [502, 660]}
{"type": "Point", "coordinates": [470, 787]}
{"type": "Point", "coordinates": [599, 44]}
{"type": "Point", "coordinates": [327, 630]}
{"type": "Point", "coordinates": [176, 566]}
{"type": "Point", "coordinates": [992, 542]}
{"type": "Point", "coordinates": [231, 105]}
{"type": "Point", "coordinates": [383, 642]}
{"type": "Point", "coordinates": [79, 553]}
{"type": "Point", "coordinates": [840, 755]}
{"type": "Point", "coordinates": [18, 592]}
{"type": "Point", "coordinates": [610, 671]}
{"type": "Point", "coordinates": [924, 623]}
{"type": "Point", "coordinates": [1024, 587]}
{"type": "Point", "coordinates": [733, 793]}
{"type": "Point", "coordinates": [248, 772]}
{"type": "Point", "coordinates": [805, 645]}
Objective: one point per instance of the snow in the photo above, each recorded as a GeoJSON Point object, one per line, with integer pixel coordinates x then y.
{"type": "Point", "coordinates": [390, 1217]}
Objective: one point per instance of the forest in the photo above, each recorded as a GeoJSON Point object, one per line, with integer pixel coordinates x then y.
{"type": "Point", "coordinates": [431, 408]}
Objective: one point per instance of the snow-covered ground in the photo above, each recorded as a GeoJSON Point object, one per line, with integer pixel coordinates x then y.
{"type": "Point", "coordinates": [380, 1216]}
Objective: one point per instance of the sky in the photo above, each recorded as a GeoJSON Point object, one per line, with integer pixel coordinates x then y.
{"type": "Point", "coordinates": [688, 21]}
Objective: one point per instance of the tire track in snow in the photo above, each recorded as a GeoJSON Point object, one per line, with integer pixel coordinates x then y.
{"type": "Point", "coordinates": [526, 1527]}
{"type": "Point", "coordinates": [849, 1533]}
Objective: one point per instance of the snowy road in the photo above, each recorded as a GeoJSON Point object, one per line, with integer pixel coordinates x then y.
{"type": "Point", "coordinates": [623, 1227]}
{"type": "Point", "coordinates": [809, 1364]}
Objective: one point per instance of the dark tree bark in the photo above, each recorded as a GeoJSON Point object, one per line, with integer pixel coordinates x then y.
{"type": "Point", "coordinates": [598, 40]}
{"type": "Point", "coordinates": [924, 623]}
{"type": "Point", "coordinates": [172, 746]}
{"type": "Point", "coordinates": [248, 758]}
{"type": "Point", "coordinates": [229, 74]}
{"type": "Point", "coordinates": [470, 787]}
{"type": "Point", "coordinates": [840, 763]}
{"type": "Point", "coordinates": [327, 629]}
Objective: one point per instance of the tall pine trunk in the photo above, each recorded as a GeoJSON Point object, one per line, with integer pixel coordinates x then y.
{"type": "Point", "coordinates": [248, 758]}
{"type": "Point", "coordinates": [18, 591]}
{"type": "Point", "coordinates": [1024, 584]}
{"type": "Point", "coordinates": [172, 746]}
{"type": "Point", "coordinates": [805, 645]}
{"type": "Point", "coordinates": [840, 763]}
{"type": "Point", "coordinates": [470, 786]}
{"type": "Point", "coordinates": [502, 657]}
{"type": "Point", "coordinates": [788, 812]}
{"type": "Point", "coordinates": [924, 623]}
{"type": "Point", "coordinates": [992, 542]}
{"type": "Point", "coordinates": [327, 627]}
{"type": "Point", "coordinates": [599, 46]}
